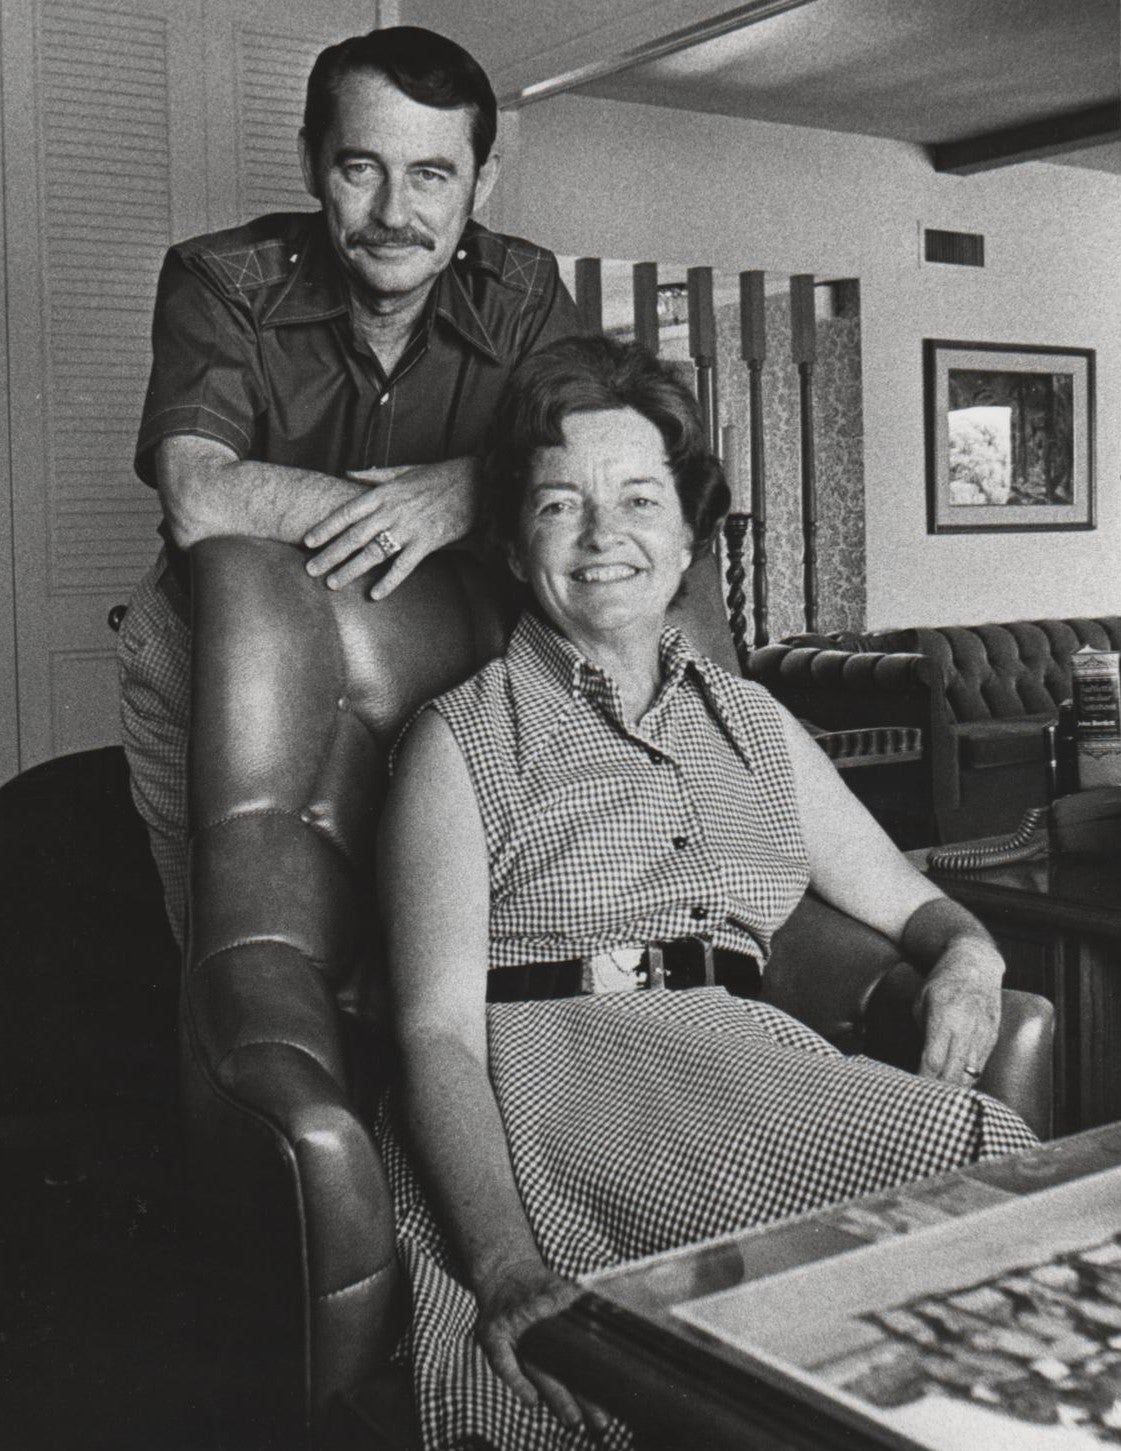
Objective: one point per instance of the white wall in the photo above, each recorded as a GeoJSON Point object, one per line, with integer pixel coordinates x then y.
{"type": "Point", "coordinates": [613, 179]}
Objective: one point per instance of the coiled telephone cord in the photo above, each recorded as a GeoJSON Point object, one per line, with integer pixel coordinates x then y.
{"type": "Point", "coordinates": [1023, 845]}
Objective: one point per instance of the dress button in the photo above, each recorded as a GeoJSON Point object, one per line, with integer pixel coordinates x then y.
{"type": "Point", "coordinates": [680, 842]}
{"type": "Point", "coordinates": [461, 255]}
{"type": "Point", "coordinates": [698, 914]}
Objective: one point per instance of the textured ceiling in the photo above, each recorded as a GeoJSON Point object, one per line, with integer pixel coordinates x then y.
{"type": "Point", "coordinates": [924, 71]}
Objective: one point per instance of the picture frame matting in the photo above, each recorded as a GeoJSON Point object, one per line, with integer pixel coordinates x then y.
{"type": "Point", "coordinates": [1009, 437]}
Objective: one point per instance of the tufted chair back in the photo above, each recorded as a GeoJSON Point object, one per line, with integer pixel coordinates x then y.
{"type": "Point", "coordinates": [298, 694]}
{"type": "Point", "coordinates": [297, 704]}
{"type": "Point", "coordinates": [298, 700]}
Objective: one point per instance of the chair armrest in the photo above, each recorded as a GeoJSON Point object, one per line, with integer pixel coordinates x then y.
{"type": "Point", "coordinates": [850, 984]}
{"type": "Point", "coordinates": [270, 1117]}
{"type": "Point", "coordinates": [841, 690]}
{"type": "Point", "coordinates": [870, 745]}
{"type": "Point", "coordinates": [1020, 1071]}
{"type": "Point", "coordinates": [824, 968]}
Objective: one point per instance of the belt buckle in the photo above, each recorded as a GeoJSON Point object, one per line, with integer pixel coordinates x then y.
{"type": "Point", "coordinates": [659, 974]}
{"type": "Point", "coordinates": [611, 971]}
{"type": "Point", "coordinates": [707, 958]}
{"type": "Point", "coordinates": [695, 953]}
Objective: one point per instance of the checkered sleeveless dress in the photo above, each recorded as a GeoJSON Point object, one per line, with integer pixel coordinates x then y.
{"type": "Point", "coordinates": [642, 1121]}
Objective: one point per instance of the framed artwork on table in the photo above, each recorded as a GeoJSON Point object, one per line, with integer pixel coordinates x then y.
{"type": "Point", "coordinates": [1009, 437]}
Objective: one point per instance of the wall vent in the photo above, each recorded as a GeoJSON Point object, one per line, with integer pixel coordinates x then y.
{"type": "Point", "coordinates": [958, 249]}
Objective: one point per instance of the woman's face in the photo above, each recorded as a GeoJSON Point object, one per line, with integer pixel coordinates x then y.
{"type": "Point", "coordinates": [602, 540]}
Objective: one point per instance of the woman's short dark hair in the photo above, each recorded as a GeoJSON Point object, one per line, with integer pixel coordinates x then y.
{"type": "Point", "coordinates": [427, 67]}
{"type": "Point", "coordinates": [589, 375]}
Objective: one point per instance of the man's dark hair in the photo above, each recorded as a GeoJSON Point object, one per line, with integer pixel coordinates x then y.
{"type": "Point", "coordinates": [588, 375]}
{"type": "Point", "coordinates": [428, 68]}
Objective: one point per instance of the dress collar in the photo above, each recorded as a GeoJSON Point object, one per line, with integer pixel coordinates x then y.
{"type": "Point", "coordinates": [549, 677]}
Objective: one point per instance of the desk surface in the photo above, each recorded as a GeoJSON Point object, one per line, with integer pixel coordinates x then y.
{"type": "Point", "coordinates": [1058, 920]}
{"type": "Point", "coordinates": [1082, 893]}
{"type": "Point", "coordinates": [623, 1345]}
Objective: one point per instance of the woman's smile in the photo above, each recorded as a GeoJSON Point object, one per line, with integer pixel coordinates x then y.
{"type": "Point", "coordinates": [603, 573]}
{"type": "Point", "coordinates": [603, 542]}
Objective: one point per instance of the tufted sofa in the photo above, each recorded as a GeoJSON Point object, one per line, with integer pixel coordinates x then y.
{"type": "Point", "coordinates": [981, 695]}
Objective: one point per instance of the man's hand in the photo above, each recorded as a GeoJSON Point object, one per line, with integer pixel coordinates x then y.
{"type": "Point", "coordinates": [960, 1011]}
{"type": "Point", "coordinates": [420, 507]}
{"type": "Point", "coordinates": [513, 1300]}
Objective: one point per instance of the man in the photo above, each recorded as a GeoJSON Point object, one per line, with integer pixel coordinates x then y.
{"type": "Point", "coordinates": [326, 378]}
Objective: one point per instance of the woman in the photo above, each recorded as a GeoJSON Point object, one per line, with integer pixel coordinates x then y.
{"type": "Point", "coordinates": [598, 789]}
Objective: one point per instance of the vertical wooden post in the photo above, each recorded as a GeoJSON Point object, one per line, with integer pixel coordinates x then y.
{"type": "Point", "coordinates": [803, 338]}
{"type": "Point", "coordinates": [702, 346]}
{"type": "Point", "coordinates": [646, 328]}
{"type": "Point", "coordinates": [735, 532]}
{"type": "Point", "coordinates": [753, 349]}
{"type": "Point", "coordinates": [589, 293]}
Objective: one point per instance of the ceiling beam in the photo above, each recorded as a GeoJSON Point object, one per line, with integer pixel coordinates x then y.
{"type": "Point", "coordinates": [738, 18]}
{"type": "Point", "coordinates": [1033, 141]}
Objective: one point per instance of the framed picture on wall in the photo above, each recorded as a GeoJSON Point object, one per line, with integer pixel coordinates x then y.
{"type": "Point", "coordinates": [1009, 437]}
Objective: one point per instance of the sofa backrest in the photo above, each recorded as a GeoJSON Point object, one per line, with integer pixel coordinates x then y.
{"type": "Point", "coordinates": [1019, 669]}
{"type": "Point", "coordinates": [992, 671]}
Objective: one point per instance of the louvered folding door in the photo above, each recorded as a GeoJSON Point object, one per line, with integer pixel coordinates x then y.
{"type": "Point", "coordinates": [126, 124]}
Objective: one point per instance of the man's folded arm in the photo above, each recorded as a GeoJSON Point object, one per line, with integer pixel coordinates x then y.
{"type": "Point", "coordinates": [206, 489]}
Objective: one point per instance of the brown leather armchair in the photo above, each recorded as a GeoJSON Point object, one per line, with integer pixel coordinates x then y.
{"type": "Point", "coordinates": [298, 696]}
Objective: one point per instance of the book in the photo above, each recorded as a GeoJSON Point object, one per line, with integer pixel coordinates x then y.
{"type": "Point", "coordinates": [1096, 689]}
{"type": "Point", "coordinates": [998, 1329]}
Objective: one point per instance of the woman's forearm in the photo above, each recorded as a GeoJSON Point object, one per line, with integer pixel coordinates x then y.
{"type": "Point", "coordinates": [960, 1002]}
{"type": "Point", "coordinates": [459, 1141]}
{"type": "Point", "coordinates": [942, 932]}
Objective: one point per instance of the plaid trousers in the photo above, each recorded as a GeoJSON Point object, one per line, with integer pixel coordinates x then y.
{"type": "Point", "coordinates": [153, 660]}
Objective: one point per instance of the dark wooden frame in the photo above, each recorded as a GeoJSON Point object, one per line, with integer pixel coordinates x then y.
{"type": "Point", "coordinates": [940, 355]}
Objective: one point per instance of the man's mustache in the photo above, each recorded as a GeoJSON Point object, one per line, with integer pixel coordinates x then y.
{"type": "Point", "coordinates": [390, 237]}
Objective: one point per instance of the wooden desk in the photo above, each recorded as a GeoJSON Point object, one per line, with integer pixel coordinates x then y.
{"type": "Point", "coordinates": [622, 1345]}
{"type": "Point", "coordinates": [1058, 923]}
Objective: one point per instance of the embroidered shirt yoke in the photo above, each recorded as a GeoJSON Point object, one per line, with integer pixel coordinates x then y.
{"type": "Point", "coordinates": [253, 345]}
{"type": "Point", "coordinates": [605, 834]}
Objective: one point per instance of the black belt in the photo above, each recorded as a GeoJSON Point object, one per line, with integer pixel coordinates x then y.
{"type": "Point", "coordinates": [683, 963]}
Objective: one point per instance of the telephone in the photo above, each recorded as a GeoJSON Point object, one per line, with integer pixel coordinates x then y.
{"type": "Point", "coordinates": [1078, 822]}
{"type": "Point", "coordinates": [1084, 823]}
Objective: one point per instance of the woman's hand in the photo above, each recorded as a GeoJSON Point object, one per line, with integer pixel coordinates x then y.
{"type": "Point", "coordinates": [512, 1300]}
{"type": "Point", "coordinates": [959, 1010]}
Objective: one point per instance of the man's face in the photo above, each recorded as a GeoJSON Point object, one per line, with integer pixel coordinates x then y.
{"type": "Point", "coordinates": [397, 183]}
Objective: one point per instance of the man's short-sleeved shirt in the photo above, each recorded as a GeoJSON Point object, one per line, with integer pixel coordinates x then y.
{"type": "Point", "coordinates": [253, 345]}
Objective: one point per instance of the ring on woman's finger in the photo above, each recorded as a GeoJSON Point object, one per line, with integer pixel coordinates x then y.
{"type": "Point", "coordinates": [972, 1072]}
{"type": "Point", "coordinates": [386, 543]}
